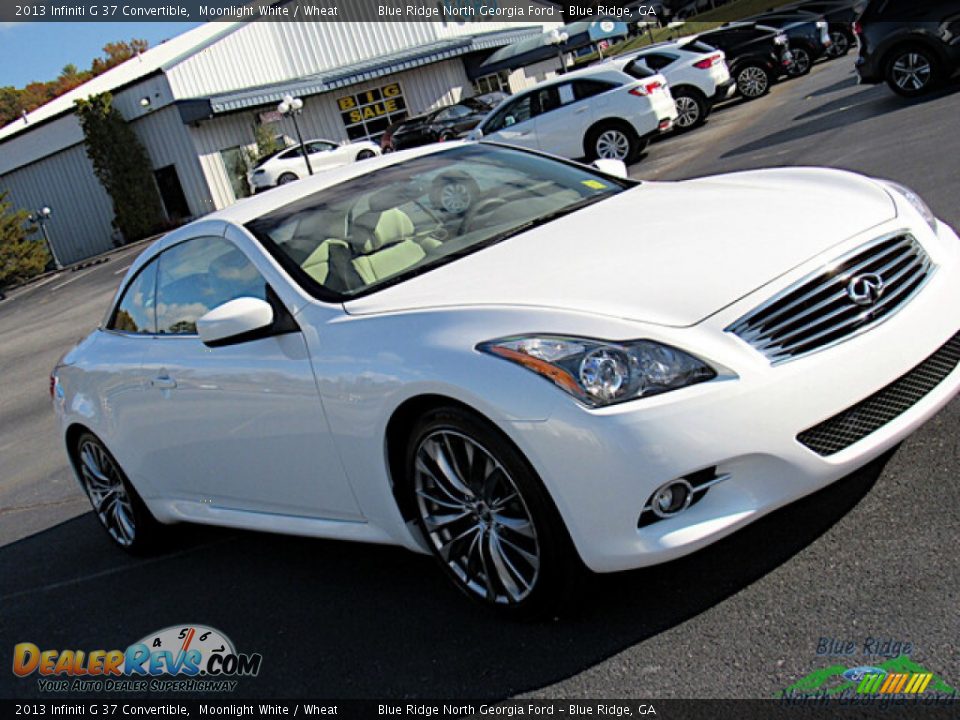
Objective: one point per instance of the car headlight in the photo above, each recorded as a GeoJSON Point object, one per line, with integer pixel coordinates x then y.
{"type": "Point", "coordinates": [916, 201]}
{"type": "Point", "coordinates": [781, 39]}
{"type": "Point", "coordinates": [602, 373]}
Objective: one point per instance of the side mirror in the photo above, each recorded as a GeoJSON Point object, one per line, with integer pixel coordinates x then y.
{"type": "Point", "coordinates": [475, 134]}
{"type": "Point", "coordinates": [234, 321]}
{"type": "Point", "coordinates": [617, 168]}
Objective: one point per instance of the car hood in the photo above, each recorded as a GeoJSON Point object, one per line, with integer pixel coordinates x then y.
{"type": "Point", "coordinates": [665, 253]}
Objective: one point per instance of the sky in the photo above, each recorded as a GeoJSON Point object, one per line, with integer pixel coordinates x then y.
{"type": "Point", "coordinates": [38, 51]}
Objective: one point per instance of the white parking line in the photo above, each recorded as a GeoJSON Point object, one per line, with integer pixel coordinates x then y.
{"type": "Point", "coordinates": [76, 276]}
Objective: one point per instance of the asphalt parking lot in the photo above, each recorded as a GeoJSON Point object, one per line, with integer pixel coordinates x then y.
{"type": "Point", "coordinates": [869, 557]}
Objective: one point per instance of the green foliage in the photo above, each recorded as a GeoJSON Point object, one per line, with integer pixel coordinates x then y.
{"type": "Point", "coordinates": [122, 166]}
{"type": "Point", "coordinates": [14, 101]}
{"type": "Point", "coordinates": [267, 143]}
{"type": "Point", "coordinates": [21, 257]}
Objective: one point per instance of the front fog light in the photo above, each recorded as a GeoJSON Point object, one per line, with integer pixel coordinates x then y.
{"type": "Point", "coordinates": [672, 498]}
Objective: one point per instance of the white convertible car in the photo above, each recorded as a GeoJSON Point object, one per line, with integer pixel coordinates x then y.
{"type": "Point", "coordinates": [289, 165]}
{"type": "Point", "coordinates": [566, 369]}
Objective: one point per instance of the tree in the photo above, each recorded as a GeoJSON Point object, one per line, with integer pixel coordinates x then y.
{"type": "Point", "coordinates": [21, 257]}
{"type": "Point", "coordinates": [15, 101]}
{"type": "Point", "coordinates": [122, 166]}
{"type": "Point", "coordinates": [116, 53]}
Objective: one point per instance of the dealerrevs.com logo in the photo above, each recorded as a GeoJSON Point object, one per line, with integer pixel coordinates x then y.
{"type": "Point", "coordinates": [186, 658]}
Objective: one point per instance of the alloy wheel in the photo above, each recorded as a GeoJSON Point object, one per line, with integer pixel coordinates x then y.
{"type": "Point", "coordinates": [840, 45]}
{"type": "Point", "coordinates": [688, 111]}
{"type": "Point", "coordinates": [801, 62]}
{"type": "Point", "coordinates": [108, 494]}
{"type": "Point", "coordinates": [476, 518]}
{"type": "Point", "coordinates": [912, 71]}
{"type": "Point", "coordinates": [752, 82]}
{"type": "Point", "coordinates": [613, 144]}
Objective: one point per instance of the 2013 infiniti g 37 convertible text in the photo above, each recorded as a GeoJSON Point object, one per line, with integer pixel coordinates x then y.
{"type": "Point", "coordinates": [514, 362]}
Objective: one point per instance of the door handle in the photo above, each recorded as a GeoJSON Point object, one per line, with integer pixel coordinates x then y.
{"type": "Point", "coordinates": [163, 382]}
{"type": "Point", "coordinates": [580, 111]}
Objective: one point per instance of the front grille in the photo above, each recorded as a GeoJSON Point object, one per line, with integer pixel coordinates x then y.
{"type": "Point", "coordinates": [819, 311]}
{"type": "Point", "coordinates": [843, 430]}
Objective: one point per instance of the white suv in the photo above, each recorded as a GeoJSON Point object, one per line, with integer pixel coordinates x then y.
{"type": "Point", "coordinates": [697, 73]}
{"type": "Point", "coordinates": [597, 112]}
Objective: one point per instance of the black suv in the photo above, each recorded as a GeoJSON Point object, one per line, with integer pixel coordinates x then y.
{"type": "Point", "coordinates": [446, 123]}
{"type": "Point", "coordinates": [809, 36]}
{"type": "Point", "coordinates": [913, 45]}
{"type": "Point", "coordinates": [839, 14]}
{"type": "Point", "coordinates": [757, 55]}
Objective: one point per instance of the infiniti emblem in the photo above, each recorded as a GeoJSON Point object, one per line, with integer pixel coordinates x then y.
{"type": "Point", "coordinates": [865, 289]}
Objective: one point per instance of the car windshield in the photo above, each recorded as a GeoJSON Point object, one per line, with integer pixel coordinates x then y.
{"type": "Point", "coordinates": [405, 219]}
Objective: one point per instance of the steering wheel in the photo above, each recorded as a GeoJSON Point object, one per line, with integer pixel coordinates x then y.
{"type": "Point", "coordinates": [484, 206]}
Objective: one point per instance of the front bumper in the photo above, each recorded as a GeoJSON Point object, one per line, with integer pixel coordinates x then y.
{"type": "Point", "coordinates": [601, 466]}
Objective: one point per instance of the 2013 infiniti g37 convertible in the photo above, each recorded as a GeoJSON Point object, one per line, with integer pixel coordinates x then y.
{"type": "Point", "coordinates": [516, 363]}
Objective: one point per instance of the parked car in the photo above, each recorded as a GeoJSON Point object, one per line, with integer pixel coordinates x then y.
{"type": "Point", "coordinates": [757, 55]}
{"type": "Point", "coordinates": [839, 15]}
{"type": "Point", "coordinates": [911, 45]}
{"type": "Point", "coordinates": [697, 74]}
{"type": "Point", "coordinates": [809, 37]}
{"type": "Point", "coordinates": [561, 375]}
{"type": "Point", "coordinates": [446, 123]}
{"type": "Point", "coordinates": [288, 165]}
{"type": "Point", "coordinates": [597, 112]}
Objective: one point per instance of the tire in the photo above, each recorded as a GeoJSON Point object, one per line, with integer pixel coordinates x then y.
{"type": "Point", "coordinates": [840, 44]}
{"type": "Point", "coordinates": [365, 155]}
{"type": "Point", "coordinates": [692, 109]}
{"type": "Point", "coordinates": [486, 516]}
{"type": "Point", "coordinates": [912, 70]}
{"type": "Point", "coordinates": [753, 81]}
{"type": "Point", "coordinates": [802, 63]}
{"type": "Point", "coordinates": [286, 178]}
{"type": "Point", "coordinates": [116, 504]}
{"type": "Point", "coordinates": [613, 140]}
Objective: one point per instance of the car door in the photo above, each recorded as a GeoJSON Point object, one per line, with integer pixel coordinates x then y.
{"type": "Point", "coordinates": [324, 155]}
{"type": "Point", "coordinates": [241, 426]}
{"type": "Point", "coordinates": [514, 123]}
{"type": "Point", "coordinates": [566, 113]}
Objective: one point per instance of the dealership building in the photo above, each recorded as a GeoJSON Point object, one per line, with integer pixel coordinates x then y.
{"type": "Point", "coordinates": [196, 100]}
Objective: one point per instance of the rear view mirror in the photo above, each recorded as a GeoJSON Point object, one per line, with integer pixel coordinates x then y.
{"type": "Point", "coordinates": [617, 168]}
{"type": "Point", "coordinates": [235, 321]}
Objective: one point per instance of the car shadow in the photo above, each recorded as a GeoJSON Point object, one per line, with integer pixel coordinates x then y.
{"type": "Point", "coordinates": [342, 620]}
{"type": "Point", "coordinates": [839, 113]}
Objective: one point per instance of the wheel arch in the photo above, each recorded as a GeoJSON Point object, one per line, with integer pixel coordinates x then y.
{"type": "Point", "coordinates": [906, 41]}
{"type": "Point", "coordinates": [397, 434]}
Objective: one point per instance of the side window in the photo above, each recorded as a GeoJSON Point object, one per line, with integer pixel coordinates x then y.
{"type": "Point", "coordinates": [516, 112]}
{"type": "Point", "coordinates": [443, 115]}
{"type": "Point", "coordinates": [583, 89]}
{"type": "Point", "coordinates": [199, 275]}
{"type": "Point", "coordinates": [319, 147]}
{"type": "Point", "coordinates": [136, 311]}
{"type": "Point", "coordinates": [459, 111]}
{"type": "Point", "coordinates": [291, 153]}
{"type": "Point", "coordinates": [549, 98]}
{"type": "Point", "coordinates": [658, 61]}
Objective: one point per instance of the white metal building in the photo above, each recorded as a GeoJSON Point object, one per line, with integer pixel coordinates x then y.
{"type": "Point", "coordinates": [195, 100]}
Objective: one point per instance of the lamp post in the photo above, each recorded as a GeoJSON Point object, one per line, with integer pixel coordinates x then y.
{"type": "Point", "coordinates": [558, 39]}
{"type": "Point", "coordinates": [40, 217]}
{"type": "Point", "coordinates": [293, 106]}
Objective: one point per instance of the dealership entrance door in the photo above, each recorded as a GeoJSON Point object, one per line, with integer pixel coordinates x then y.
{"type": "Point", "coordinates": [171, 192]}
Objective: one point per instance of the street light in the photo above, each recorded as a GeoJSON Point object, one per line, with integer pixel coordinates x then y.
{"type": "Point", "coordinates": [40, 217]}
{"type": "Point", "coordinates": [293, 106]}
{"type": "Point", "coordinates": [558, 39]}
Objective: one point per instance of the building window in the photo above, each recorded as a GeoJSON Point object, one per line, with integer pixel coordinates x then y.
{"type": "Point", "coordinates": [236, 161]}
{"type": "Point", "coordinates": [498, 82]}
{"type": "Point", "coordinates": [367, 114]}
